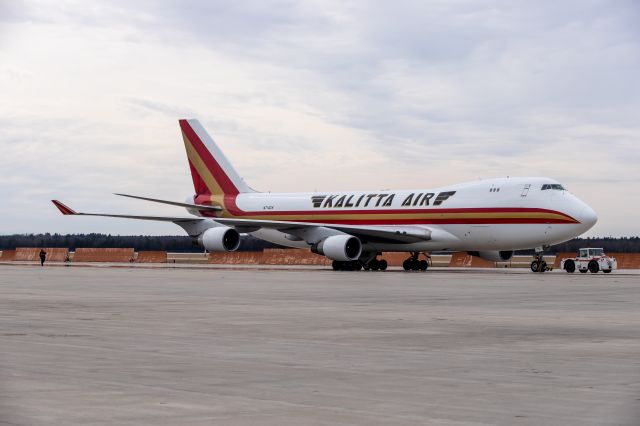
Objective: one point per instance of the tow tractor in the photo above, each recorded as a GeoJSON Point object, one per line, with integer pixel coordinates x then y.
{"type": "Point", "coordinates": [590, 259]}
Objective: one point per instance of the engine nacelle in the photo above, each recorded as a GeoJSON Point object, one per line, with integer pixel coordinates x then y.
{"type": "Point", "coordinates": [340, 247]}
{"type": "Point", "coordinates": [493, 256]}
{"type": "Point", "coordinates": [220, 238]}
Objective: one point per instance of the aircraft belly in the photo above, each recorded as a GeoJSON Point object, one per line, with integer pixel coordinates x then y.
{"type": "Point", "coordinates": [277, 237]}
{"type": "Point", "coordinates": [510, 236]}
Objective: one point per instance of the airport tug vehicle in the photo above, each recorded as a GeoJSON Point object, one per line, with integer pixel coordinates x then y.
{"type": "Point", "coordinates": [590, 259]}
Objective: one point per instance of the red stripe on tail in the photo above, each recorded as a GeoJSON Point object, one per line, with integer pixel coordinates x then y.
{"type": "Point", "coordinates": [216, 171]}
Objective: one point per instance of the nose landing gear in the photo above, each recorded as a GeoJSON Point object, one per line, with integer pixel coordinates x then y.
{"type": "Point", "coordinates": [539, 264]}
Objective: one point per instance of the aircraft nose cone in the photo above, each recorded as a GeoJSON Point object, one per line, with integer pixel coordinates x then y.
{"type": "Point", "coordinates": [588, 217]}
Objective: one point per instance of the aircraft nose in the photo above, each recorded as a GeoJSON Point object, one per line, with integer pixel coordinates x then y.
{"type": "Point", "coordinates": [588, 217]}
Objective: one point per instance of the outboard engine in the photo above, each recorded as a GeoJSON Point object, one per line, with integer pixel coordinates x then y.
{"type": "Point", "coordinates": [339, 247]}
{"type": "Point", "coordinates": [220, 238]}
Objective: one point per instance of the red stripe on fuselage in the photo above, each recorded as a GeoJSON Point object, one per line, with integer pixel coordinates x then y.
{"type": "Point", "coordinates": [429, 221]}
{"type": "Point", "coordinates": [233, 209]}
{"type": "Point", "coordinates": [293, 216]}
{"type": "Point", "coordinates": [460, 221]}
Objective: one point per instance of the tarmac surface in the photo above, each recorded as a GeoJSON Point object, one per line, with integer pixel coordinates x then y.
{"type": "Point", "coordinates": [161, 346]}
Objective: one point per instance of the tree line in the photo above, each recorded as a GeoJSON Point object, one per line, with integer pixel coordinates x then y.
{"type": "Point", "coordinates": [179, 243]}
{"type": "Point", "coordinates": [170, 243]}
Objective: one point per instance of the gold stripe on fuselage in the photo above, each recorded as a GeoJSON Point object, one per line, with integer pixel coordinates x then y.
{"type": "Point", "coordinates": [405, 216]}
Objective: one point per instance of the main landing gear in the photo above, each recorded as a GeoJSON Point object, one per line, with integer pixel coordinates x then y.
{"type": "Point", "coordinates": [354, 265]}
{"type": "Point", "coordinates": [376, 264]}
{"type": "Point", "coordinates": [415, 264]}
{"type": "Point", "coordinates": [371, 263]}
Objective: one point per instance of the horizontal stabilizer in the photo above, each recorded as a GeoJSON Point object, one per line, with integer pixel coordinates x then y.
{"type": "Point", "coordinates": [200, 207]}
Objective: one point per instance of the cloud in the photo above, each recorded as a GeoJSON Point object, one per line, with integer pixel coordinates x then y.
{"type": "Point", "coordinates": [317, 95]}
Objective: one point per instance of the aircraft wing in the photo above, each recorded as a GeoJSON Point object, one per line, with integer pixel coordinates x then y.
{"type": "Point", "coordinates": [382, 234]}
{"type": "Point", "coordinates": [65, 210]}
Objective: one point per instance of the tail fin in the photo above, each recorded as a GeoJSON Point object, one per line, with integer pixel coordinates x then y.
{"type": "Point", "coordinates": [212, 173]}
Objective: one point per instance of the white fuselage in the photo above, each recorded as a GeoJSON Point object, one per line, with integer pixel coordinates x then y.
{"type": "Point", "coordinates": [495, 214]}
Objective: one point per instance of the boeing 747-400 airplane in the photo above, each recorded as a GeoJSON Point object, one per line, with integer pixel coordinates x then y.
{"type": "Point", "coordinates": [487, 218]}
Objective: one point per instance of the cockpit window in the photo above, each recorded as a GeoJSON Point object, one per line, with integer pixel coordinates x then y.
{"type": "Point", "coordinates": [555, 186]}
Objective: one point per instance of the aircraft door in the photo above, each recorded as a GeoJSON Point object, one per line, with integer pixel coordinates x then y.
{"type": "Point", "coordinates": [480, 236]}
{"type": "Point", "coordinates": [525, 190]}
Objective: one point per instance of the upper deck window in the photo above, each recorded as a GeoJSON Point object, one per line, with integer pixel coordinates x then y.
{"type": "Point", "coordinates": [555, 186]}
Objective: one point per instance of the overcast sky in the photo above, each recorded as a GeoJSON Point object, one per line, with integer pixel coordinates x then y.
{"type": "Point", "coordinates": [314, 95]}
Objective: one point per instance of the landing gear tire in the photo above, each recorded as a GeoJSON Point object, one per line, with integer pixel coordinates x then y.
{"type": "Point", "coordinates": [424, 265]}
{"type": "Point", "coordinates": [594, 267]}
{"type": "Point", "coordinates": [539, 266]}
{"type": "Point", "coordinates": [570, 266]}
{"type": "Point", "coordinates": [535, 266]}
{"type": "Point", "coordinates": [406, 265]}
{"type": "Point", "coordinates": [374, 265]}
{"type": "Point", "coordinates": [607, 271]}
{"type": "Point", "coordinates": [583, 271]}
{"type": "Point", "coordinates": [382, 265]}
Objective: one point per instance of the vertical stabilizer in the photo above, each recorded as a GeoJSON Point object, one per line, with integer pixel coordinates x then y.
{"type": "Point", "coordinates": [211, 171]}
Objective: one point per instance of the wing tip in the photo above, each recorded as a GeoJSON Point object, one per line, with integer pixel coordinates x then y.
{"type": "Point", "coordinates": [63, 209]}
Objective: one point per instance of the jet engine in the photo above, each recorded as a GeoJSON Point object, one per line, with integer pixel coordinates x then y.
{"type": "Point", "coordinates": [493, 256]}
{"type": "Point", "coordinates": [220, 238]}
{"type": "Point", "coordinates": [340, 247]}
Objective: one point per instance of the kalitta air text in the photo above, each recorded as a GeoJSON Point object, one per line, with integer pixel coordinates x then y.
{"type": "Point", "coordinates": [352, 201]}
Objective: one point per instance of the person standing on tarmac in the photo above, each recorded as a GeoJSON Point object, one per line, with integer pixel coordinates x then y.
{"type": "Point", "coordinates": [43, 256]}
